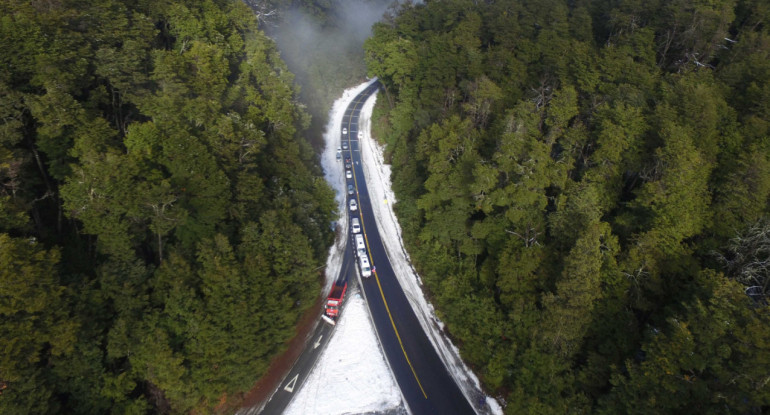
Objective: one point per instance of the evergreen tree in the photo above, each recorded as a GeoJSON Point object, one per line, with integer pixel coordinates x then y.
{"type": "Point", "coordinates": [137, 141]}
{"type": "Point", "coordinates": [573, 167]}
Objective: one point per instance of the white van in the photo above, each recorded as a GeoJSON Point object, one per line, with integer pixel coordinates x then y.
{"type": "Point", "coordinates": [356, 225]}
{"type": "Point", "coordinates": [360, 245]}
{"type": "Point", "coordinates": [366, 270]}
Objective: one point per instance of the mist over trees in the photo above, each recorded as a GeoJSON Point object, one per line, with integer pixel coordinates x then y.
{"type": "Point", "coordinates": [162, 220]}
{"type": "Point", "coordinates": [322, 44]}
{"type": "Point", "coordinates": [583, 186]}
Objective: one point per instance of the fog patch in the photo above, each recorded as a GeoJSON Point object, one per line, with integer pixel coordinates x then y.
{"type": "Point", "coordinates": [341, 28]}
{"type": "Point", "coordinates": [324, 47]}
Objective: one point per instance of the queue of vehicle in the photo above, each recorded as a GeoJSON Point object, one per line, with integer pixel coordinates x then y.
{"type": "Point", "coordinates": [337, 294]}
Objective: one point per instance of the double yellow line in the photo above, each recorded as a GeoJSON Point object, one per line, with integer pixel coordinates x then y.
{"type": "Point", "coordinates": [366, 239]}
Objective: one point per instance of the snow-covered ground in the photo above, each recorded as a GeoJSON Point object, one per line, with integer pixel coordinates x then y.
{"type": "Point", "coordinates": [363, 382]}
{"type": "Point", "coordinates": [351, 376]}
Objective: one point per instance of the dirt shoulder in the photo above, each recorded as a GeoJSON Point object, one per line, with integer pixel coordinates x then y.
{"type": "Point", "coordinates": [282, 363]}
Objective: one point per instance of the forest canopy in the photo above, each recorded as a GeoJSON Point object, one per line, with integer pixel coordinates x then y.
{"type": "Point", "coordinates": [162, 219]}
{"type": "Point", "coordinates": [583, 186]}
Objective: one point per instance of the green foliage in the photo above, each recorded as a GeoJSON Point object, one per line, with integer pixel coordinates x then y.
{"type": "Point", "coordinates": [565, 173]}
{"type": "Point", "coordinates": [155, 149]}
{"type": "Point", "coordinates": [35, 327]}
{"type": "Point", "coordinates": [712, 356]}
{"type": "Point", "coordinates": [568, 311]}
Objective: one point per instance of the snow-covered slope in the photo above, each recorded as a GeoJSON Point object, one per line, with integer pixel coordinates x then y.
{"type": "Point", "coordinates": [351, 376]}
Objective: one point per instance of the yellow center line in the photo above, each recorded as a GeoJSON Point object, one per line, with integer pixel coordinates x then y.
{"type": "Point", "coordinates": [377, 278]}
{"type": "Point", "coordinates": [368, 249]}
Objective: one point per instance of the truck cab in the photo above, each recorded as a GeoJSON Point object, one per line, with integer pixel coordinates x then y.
{"type": "Point", "coordinates": [334, 301]}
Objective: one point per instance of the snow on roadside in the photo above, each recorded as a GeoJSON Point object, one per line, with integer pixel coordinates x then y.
{"type": "Point", "coordinates": [346, 380]}
{"type": "Point", "coordinates": [351, 376]}
{"type": "Point", "coordinates": [377, 175]}
{"type": "Point", "coordinates": [335, 175]}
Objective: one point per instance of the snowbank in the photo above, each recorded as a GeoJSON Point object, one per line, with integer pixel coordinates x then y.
{"type": "Point", "coordinates": [351, 376]}
{"type": "Point", "coordinates": [334, 173]}
{"type": "Point", "coordinates": [377, 175]}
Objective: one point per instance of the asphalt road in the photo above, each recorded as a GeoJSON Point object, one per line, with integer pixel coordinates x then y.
{"type": "Point", "coordinates": [422, 377]}
{"type": "Point", "coordinates": [425, 383]}
{"type": "Point", "coordinates": [318, 340]}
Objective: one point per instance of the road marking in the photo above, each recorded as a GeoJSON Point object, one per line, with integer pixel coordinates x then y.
{"type": "Point", "coordinates": [393, 323]}
{"type": "Point", "coordinates": [292, 383]}
{"type": "Point", "coordinates": [374, 271]}
{"type": "Point", "coordinates": [318, 342]}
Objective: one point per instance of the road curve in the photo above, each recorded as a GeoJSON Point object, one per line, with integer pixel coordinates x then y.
{"type": "Point", "coordinates": [317, 340]}
{"type": "Point", "coordinates": [425, 383]}
{"type": "Point", "coordinates": [316, 343]}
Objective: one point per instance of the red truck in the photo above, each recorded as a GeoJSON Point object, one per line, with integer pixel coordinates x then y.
{"type": "Point", "coordinates": [334, 302]}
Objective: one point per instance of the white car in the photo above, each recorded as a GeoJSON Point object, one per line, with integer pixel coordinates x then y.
{"type": "Point", "coordinates": [344, 145]}
{"type": "Point", "coordinates": [344, 130]}
{"type": "Point", "coordinates": [360, 245]}
{"type": "Point", "coordinates": [356, 225]}
{"type": "Point", "coordinates": [366, 269]}
{"type": "Point", "coordinates": [353, 205]}
{"type": "Point", "coordinates": [348, 174]}
{"type": "Point", "coordinates": [360, 135]}
{"type": "Point", "coordinates": [350, 189]}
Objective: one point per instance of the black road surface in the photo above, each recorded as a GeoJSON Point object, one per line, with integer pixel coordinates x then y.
{"type": "Point", "coordinates": [422, 377]}
{"type": "Point", "coordinates": [425, 383]}
{"type": "Point", "coordinates": [291, 384]}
